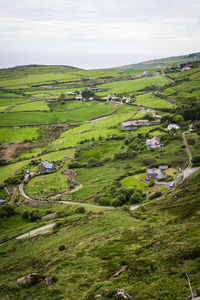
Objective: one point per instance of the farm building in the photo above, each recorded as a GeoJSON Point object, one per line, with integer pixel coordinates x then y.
{"type": "Point", "coordinates": [146, 74]}
{"type": "Point", "coordinates": [155, 142]}
{"type": "Point", "coordinates": [141, 122]}
{"type": "Point", "coordinates": [175, 126]}
{"type": "Point", "coordinates": [111, 97]}
{"type": "Point", "coordinates": [46, 166]}
{"type": "Point", "coordinates": [130, 125]}
{"type": "Point", "coordinates": [155, 174]}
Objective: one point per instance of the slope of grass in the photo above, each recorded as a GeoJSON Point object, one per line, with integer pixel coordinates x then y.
{"type": "Point", "coordinates": [99, 245]}
{"type": "Point", "coordinates": [127, 86]}
{"type": "Point", "coordinates": [149, 100]}
{"type": "Point", "coordinates": [29, 118]}
{"type": "Point", "coordinates": [40, 105]}
{"type": "Point", "coordinates": [18, 134]}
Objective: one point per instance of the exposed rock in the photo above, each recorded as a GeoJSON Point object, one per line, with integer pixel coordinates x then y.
{"type": "Point", "coordinates": [157, 244]}
{"type": "Point", "coordinates": [119, 272]}
{"type": "Point", "coordinates": [195, 296]}
{"type": "Point", "coordinates": [34, 278]}
{"type": "Point", "coordinates": [121, 294]}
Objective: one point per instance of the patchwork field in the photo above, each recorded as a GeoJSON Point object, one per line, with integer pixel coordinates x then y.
{"type": "Point", "coordinates": [150, 100]}
{"type": "Point", "coordinates": [128, 86]}
{"type": "Point", "coordinates": [40, 105]}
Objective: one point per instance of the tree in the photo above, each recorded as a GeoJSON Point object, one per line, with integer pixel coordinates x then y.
{"type": "Point", "coordinates": [136, 198]}
{"type": "Point", "coordinates": [179, 120]}
{"type": "Point", "coordinates": [116, 203]}
{"type": "Point", "coordinates": [148, 116]}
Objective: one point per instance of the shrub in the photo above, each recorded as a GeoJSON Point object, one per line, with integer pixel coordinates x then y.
{"type": "Point", "coordinates": [151, 183]}
{"type": "Point", "coordinates": [155, 195]}
{"type": "Point", "coordinates": [80, 210]}
{"type": "Point", "coordinates": [61, 248]}
{"type": "Point", "coordinates": [136, 198]}
{"type": "Point", "coordinates": [7, 211]}
{"type": "Point", "coordinates": [196, 160]}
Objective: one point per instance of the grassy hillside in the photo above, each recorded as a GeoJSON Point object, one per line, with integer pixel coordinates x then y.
{"type": "Point", "coordinates": [158, 244]}
{"type": "Point", "coordinates": [163, 62]}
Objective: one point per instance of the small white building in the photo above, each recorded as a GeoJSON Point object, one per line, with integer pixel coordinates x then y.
{"type": "Point", "coordinates": [153, 143]}
{"type": "Point", "coordinates": [79, 98]}
{"type": "Point", "coordinates": [111, 97]}
{"type": "Point", "coordinates": [175, 126]}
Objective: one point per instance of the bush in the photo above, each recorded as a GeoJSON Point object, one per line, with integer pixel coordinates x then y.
{"type": "Point", "coordinates": [61, 248]}
{"type": "Point", "coordinates": [7, 211]}
{"type": "Point", "coordinates": [136, 198]}
{"type": "Point", "coordinates": [196, 160]}
{"type": "Point", "coordinates": [155, 195]}
{"type": "Point", "coordinates": [80, 210]}
{"type": "Point", "coordinates": [151, 183]}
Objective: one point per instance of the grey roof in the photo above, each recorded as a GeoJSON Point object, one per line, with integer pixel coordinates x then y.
{"type": "Point", "coordinates": [128, 123]}
{"type": "Point", "coordinates": [47, 164]}
{"type": "Point", "coordinates": [156, 171]}
{"type": "Point", "coordinates": [163, 167]}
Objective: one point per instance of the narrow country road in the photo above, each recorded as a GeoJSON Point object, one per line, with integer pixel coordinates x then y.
{"type": "Point", "coordinates": [24, 195]}
{"type": "Point", "coordinates": [41, 230]}
{"type": "Point", "coordinates": [168, 78]}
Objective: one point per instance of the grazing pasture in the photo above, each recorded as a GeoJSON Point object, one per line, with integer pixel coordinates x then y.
{"type": "Point", "coordinates": [128, 86]}
{"type": "Point", "coordinates": [150, 100]}
{"type": "Point", "coordinates": [31, 118]}
{"type": "Point", "coordinates": [39, 105]}
{"type": "Point", "coordinates": [18, 134]}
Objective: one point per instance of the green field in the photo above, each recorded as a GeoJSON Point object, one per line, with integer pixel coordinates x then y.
{"type": "Point", "coordinates": [128, 86]}
{"type": "Point", "coordinates": [12, 101]}
{"type": "Point", "coordinates": [29, 118]}
{"type": "Point", "coordinates": [11, 170]}
{"type": "Point", "coordinates": [149, 100]}
{"type": "Point", "coordinates": [40, 105]}
{"type": "Point", "coordinates": [135, 181]}
{"type": "Point", "coordinates": [18, 134]}
{"type": "Point", "coordinates": [45, 185]}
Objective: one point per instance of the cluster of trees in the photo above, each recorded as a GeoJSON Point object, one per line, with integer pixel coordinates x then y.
{"type": "Point", "coordinates": [32, 216]}
{"type": "Point", "coordinates": [118, 196]}
{"type": "Point", "coordinates": [6, 211]}
{"type": "Point", "coordinates": [177, 118]}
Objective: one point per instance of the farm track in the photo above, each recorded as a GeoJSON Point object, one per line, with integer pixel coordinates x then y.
{"type": "Point", "coordinates": [24, 195]}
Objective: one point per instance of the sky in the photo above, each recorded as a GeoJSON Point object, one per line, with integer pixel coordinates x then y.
{"type": "Point", "coordinates": [96, 33]}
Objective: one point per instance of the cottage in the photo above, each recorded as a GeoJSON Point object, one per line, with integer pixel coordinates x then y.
{"type": "Point", "coordinates": [155, 174]}
{"type": "Point", "coordinates": [126, 99]}
{"type": "Point", "coordinates": [70, 93]}
{"type": "Point", "coordinates": [146, 74]}
{"type": "Point", "coordinates": [130, 125]}
{"type": "Point", "coordinates": [111, 97]}
{"type": "Point", "coordinates": [46, 166]}
{"type": "Point", "coordinates": [155, 142]}
{"type": "Point", "coordinates": [175, 126]}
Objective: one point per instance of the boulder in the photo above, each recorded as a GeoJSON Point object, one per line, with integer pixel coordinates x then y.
{"type": "Point", "coordinates": [34, 278]}
{"type": "Point", "coordinates": [195, 296]}
{"type": "Point", "coordinates": [121, 294]}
